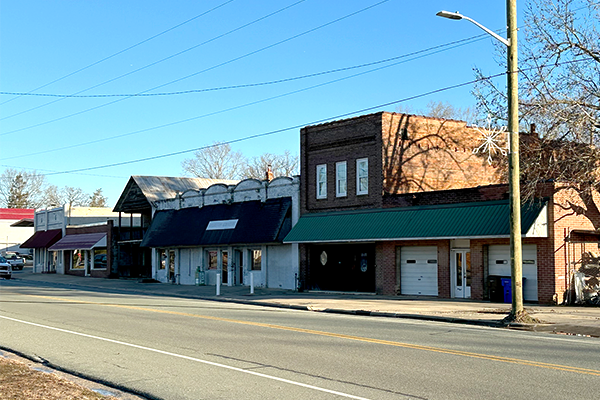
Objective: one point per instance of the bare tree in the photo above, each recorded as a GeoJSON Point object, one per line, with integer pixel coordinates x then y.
{"type": "Point", "coordinates": [559, 90]}
{"type": "Point", "coordinates": [216, 162]}
{"type": "Point", "coordinates": [439, 109]}
{"type": "Point", "coordinates": [75, 197]}
{"type": "Point", "coordinates": [281, 165]}
{"type": "Point", "coordinates": [53, 196]}
{"type": "Point", "coordinates": [97, 199]}
{"type": "Point", "coordinates": [21, 189]}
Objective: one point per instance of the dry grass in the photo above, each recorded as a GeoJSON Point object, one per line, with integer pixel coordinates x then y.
{"type": "Point", "coordinates": [19, 382]}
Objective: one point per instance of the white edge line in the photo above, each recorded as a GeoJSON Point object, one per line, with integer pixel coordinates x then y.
{"type": "Point", "coordinates": [349, 396]}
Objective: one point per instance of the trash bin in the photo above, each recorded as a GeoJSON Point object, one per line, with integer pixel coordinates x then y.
{"type": "Point", "coordinates": [507, 289]}
{"type": "Point", "coordinates": [496, 291]}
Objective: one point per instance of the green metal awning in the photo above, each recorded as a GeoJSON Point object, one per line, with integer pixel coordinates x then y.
{"type": "Point", "coordinates": [488, 219]}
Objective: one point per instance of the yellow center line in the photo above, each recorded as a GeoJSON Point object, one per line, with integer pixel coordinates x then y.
{"type": "Point", "coordinates": [348, 337]}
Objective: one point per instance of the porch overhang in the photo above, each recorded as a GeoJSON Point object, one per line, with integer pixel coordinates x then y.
{"type": "Point", "coordinates": [481, 220]}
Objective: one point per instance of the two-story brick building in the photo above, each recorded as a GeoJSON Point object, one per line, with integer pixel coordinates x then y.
{"type": "Point", "coordinates": [400, 204]}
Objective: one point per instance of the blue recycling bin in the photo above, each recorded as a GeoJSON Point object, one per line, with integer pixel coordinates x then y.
{"type": "Point", "coordinates": [507, 289]}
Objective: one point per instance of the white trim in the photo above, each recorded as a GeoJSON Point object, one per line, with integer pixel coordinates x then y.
{"type": "Point", "coordinates": [358, 176]}
{"type": "Point", "coordinates": [338, 179]}
{"type": "Point", "coordinates": [321, 194]}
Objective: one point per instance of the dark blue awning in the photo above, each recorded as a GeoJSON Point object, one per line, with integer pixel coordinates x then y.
{"type": "Point", "coordinates": [249, 222]}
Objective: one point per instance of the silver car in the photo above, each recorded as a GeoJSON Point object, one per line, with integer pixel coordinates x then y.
{"type": "Point", "coordinates": [5, 268]}
{"type": "Point", "coordinates": [15, 261]}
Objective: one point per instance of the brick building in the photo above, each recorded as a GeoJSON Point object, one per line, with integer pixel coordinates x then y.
{"type": "Point", "coordinates": [399, 204]}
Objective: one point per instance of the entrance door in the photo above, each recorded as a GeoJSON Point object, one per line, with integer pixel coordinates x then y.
{"type": "Point", "coordinates": [171, 277]}
{"type": "Point", "coordinates": [238, 267]}
{"type": "Point", "coordinates": [461, 274]}
{"type": "Point", "coordinates": [224, 259]}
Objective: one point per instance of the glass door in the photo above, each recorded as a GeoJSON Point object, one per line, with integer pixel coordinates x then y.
{"type": "Point", "coordinates": [461, 274]}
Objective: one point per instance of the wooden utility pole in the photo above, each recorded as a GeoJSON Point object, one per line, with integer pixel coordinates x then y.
{"type": "Point", "coordinates": [516, 255]}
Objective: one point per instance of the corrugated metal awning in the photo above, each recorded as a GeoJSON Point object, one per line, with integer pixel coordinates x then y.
{"type": "Point", "coordinates": [42, 239]}
{"type": "Point", "coordinates": [84, 241]}
{"type": "Point", "coordinates": [449, 221]}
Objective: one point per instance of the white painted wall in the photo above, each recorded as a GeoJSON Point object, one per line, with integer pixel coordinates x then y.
{"type": "Point", "coordinates": [280, 263]}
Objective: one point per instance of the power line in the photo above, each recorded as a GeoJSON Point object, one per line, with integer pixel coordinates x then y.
{"type": "Point", "coordinates": [417, 53]}
{"type": "Point", "coordinates": [241, 86]}
{"type": "Point", "coordinates": [154, 63]}
{"type": "Point", "coordinates": [207, 69]}
{"type": "Point", "coordinates": [281, 130]}
{"type": "Point", "coordinates": [305, 124]}
{"type": "Point", "coordinates": [122, 51]}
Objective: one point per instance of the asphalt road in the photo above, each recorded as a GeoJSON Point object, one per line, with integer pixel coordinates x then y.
{"type": "Point", "coordinates": [173, 348]}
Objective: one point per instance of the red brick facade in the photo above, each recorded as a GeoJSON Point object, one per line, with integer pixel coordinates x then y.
{"type": "Point", "coordinates": [415, 161]}
{"type": "Point", "coordinates": [96, 273]}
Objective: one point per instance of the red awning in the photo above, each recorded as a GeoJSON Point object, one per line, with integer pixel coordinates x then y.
{"type": "Point", "coordinates": [42, 239]}
{"type": "Point", "coordinates": [84, 241]}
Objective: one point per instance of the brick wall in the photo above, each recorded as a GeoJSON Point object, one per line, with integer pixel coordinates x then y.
{"type": "Point", "coordinates": [468, 195]}
{"type": "Point", "coordinates": [346, 140]}
{"type": "Point", "coordinates": [572, 210]}
{"type": "Point", "coordinates": [78, 230]}
{"type": "Point", "coordinates": [406, 153]}
{"type": "Point", "coordinates": [424, 154]}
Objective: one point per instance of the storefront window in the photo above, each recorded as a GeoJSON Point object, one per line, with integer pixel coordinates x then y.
{"type": "Point", "coordinates": [100, 261]}
{"type": "Point", "coordinates": [256, 256]}
{"type": "Point", "coordinates": [162, 257]}
{"type": "Point", "coordinates": [212, 260]}
{"type": "Point", "coordinates": [78, 259]}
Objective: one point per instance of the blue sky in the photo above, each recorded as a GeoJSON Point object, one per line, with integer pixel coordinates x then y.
{"type": "Point", "coordinates": [42, 41]}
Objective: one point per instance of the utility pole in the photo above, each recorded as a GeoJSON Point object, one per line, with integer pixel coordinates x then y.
{"type": "Point", "coordinates": [516, 255]}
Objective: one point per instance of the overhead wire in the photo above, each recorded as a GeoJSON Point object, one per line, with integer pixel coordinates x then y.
{"type": "Point", "coordinates": [245, 138]}
{"type": "Point", "coordinates": [122, 51]}
{"type": "Point", "coordinates": [419, 54]}
{"type": "Point", "coordinates": [320, 121]}
{"type": "Point", "coordinates": [241, 86]}
{"type": "Point", "coordinates": [154, 63]}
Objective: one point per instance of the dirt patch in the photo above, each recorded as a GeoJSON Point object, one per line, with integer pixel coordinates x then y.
{"type": "Point", "coordinates": [23, 379]}
{"type": "Point", "coordinates": [19, 381]}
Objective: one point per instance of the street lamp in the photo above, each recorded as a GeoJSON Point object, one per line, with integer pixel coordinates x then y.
{"type": "Point", "coordinates": [516, 256]}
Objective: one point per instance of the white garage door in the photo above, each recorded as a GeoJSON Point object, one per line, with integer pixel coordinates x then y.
{"type": "Point", "coordinates": [418, 270]}
{"type": "Point", "coordinates": [499, 264]}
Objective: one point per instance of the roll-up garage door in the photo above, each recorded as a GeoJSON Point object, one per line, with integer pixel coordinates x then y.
{"type": "Point", "coordinates": [499, 263]}
{"type": "Point", "coordinates": [418, 270]}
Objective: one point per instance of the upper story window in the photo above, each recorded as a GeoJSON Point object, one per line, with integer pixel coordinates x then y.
{"type": "Point", "coordinates": [362, 176]}
{"type": "Point", "coordinates": [322, 181]}
{"type": "Point", "coordinates": [340, 179]}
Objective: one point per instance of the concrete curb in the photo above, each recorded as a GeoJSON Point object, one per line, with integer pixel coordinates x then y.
{"type": "Point", "coordinates": [539, 327]}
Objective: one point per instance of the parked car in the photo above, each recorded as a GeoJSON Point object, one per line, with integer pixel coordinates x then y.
{"type": "Point", "coordinates": [15, 261]}
{"type": "Point", "coordinates": [5, 268]}
{"type": "Point", "coordinates": [100, 261]}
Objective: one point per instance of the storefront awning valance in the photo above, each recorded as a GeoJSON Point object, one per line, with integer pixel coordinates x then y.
{"type": "Point", "coordinates": [84, 241]}
{"type": "Point", "coordinates": [450, 221]}
{"type": "Point", "coordinates": [42, 239]}
{"type": "Point", "coordinates": [249, 222]}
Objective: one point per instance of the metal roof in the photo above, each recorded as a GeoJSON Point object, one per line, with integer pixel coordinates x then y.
{"type": "Point", "coordinates": [466, 220]}
{"type": "Point", "coordinates": [248, 222]}
{"type": "Point", "coordinates": [141, 191]}
{"type": "Point", "coordinates": [16, 213]}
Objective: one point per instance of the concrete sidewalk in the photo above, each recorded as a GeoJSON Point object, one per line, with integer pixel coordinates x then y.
{"type": "Point", "coordinates": [559, 319]}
